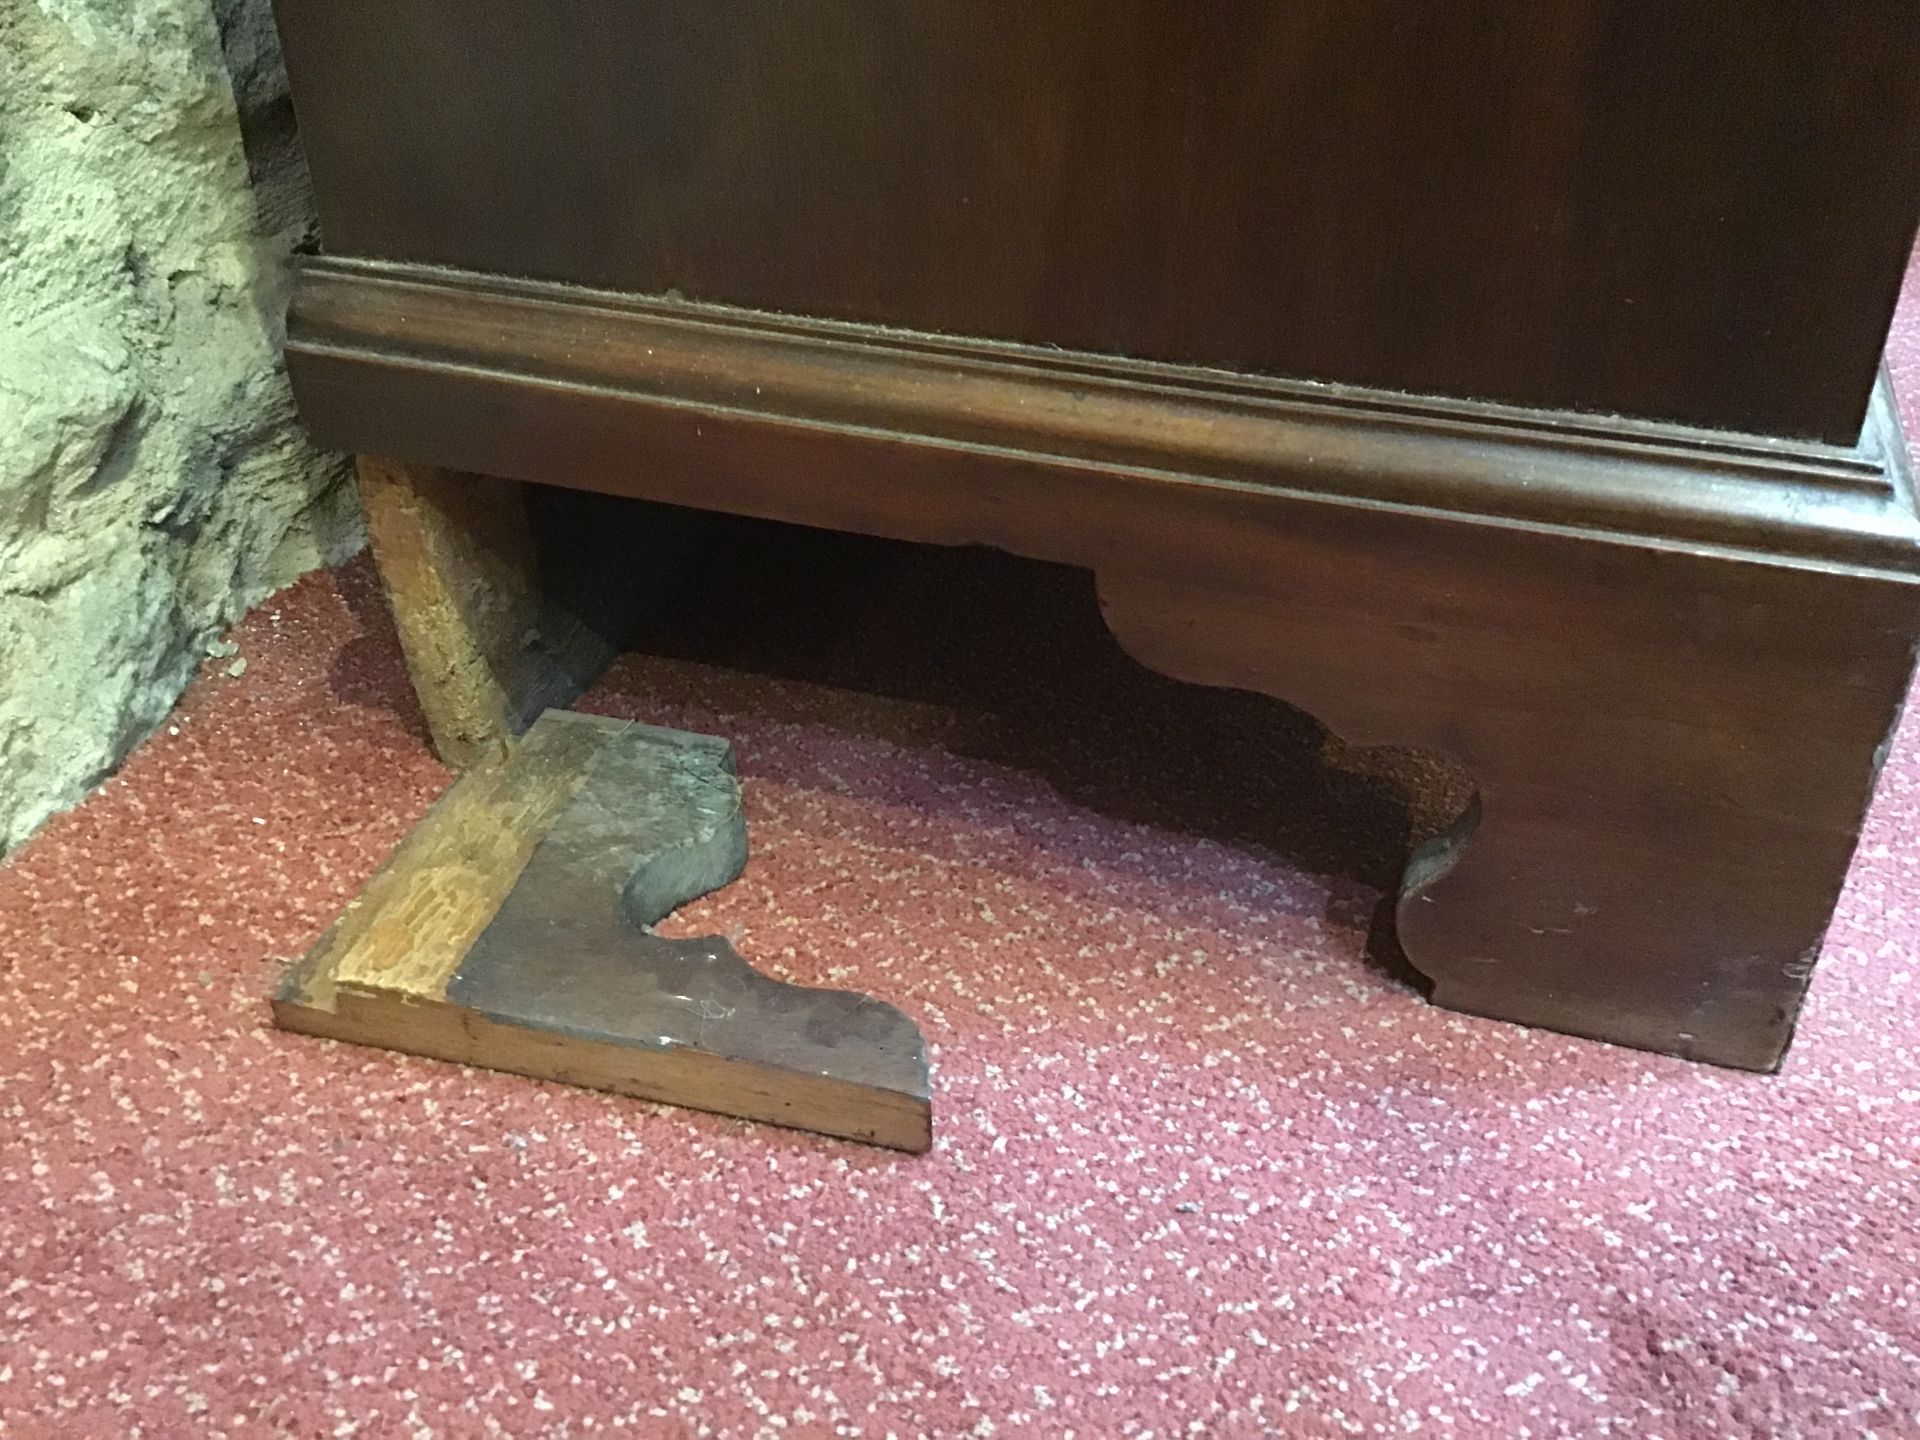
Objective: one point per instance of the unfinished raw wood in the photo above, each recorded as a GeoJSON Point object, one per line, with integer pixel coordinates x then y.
{"type": "Point", "coordinates": [512, 930]}
{"type": "Point", "coordinates": [486, 646]}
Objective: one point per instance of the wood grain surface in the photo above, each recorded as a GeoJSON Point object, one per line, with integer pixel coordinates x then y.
{"type": "Point", "coordinates": [1670, 658]}
{"type": "Point", "coordinates": [1696, 210]}
{"type": "Point", "coordinates": [512, 930]}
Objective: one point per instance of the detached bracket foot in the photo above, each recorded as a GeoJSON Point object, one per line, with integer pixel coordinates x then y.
{"type": "Point", "coordinates": [512, 930]}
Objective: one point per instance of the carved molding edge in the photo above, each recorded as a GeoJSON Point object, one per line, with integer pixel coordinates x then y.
{"type": "Point", "coordinates": [358, 326]}
{"type": "Point", "coordinates": [1669, 658]}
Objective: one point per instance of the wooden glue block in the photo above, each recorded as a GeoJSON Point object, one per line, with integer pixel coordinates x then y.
{"type": "Point", "coordinates": [512, 930]}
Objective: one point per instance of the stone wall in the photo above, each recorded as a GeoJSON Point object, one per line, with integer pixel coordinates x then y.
{"type": "Point", "coordinates": [153, 483]}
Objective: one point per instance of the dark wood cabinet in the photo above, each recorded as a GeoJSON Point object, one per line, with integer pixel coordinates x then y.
{"type": "Point", "coordinates": [1495, 378]}
{"type": "Point", "coordinates": [1694, 211]}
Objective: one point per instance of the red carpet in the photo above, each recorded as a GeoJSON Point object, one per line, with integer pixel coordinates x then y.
{"type": "Point", "coordinates": [1204, 1167]}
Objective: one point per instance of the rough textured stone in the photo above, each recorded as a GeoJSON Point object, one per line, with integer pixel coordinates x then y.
{"type": "Point", "coordinates": [153, 483]}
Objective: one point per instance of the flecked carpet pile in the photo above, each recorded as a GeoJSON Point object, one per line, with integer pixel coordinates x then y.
{"type": "Point", "coordinates": [1206, 1165]}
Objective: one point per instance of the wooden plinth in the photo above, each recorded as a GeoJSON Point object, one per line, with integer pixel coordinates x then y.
{"type": "Point", "coordinates": [1670, 657]}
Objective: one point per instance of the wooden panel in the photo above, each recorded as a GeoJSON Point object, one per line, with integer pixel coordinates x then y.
{"type": "Point", "coordinates": [1670, 661]}
{"type": "Point", "coordinates": [707, 407]}
{"type": "Point", "coordinates": [1696, 210]}
{"type": "Point", "coordinates": [513, 930]}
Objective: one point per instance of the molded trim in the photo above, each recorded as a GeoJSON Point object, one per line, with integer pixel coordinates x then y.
{"type": "Point", "coordinates": [356, 327]}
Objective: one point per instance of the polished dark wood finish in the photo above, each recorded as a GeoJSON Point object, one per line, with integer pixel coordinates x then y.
{"type": "Point", "coordinates": [1696, 210]}
{"type": "Point", "coordinates": [1670, 658]}
{"type": "Point", "coordinates": [1497, 380]}
{"type": "Point", "coordinates": [559, 384]}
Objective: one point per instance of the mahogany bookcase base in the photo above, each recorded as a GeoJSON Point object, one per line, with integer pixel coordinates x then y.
{"type": "Point", "coordinates": [1670, 658]}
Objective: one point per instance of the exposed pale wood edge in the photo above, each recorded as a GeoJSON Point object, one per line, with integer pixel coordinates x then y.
{"type": "Point", "coordinates": [1743, 495]}
{"type": "Point", "coordinates": [486, 649]}
{"type": "Point", "coordinates": [665, 1075]}
{"type": "Point", "coordinates": [1884, 438]}
{"type": "Point", "coordinates": [408, 929]}
{"type": "Point", "coordinates": [380, 975]}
